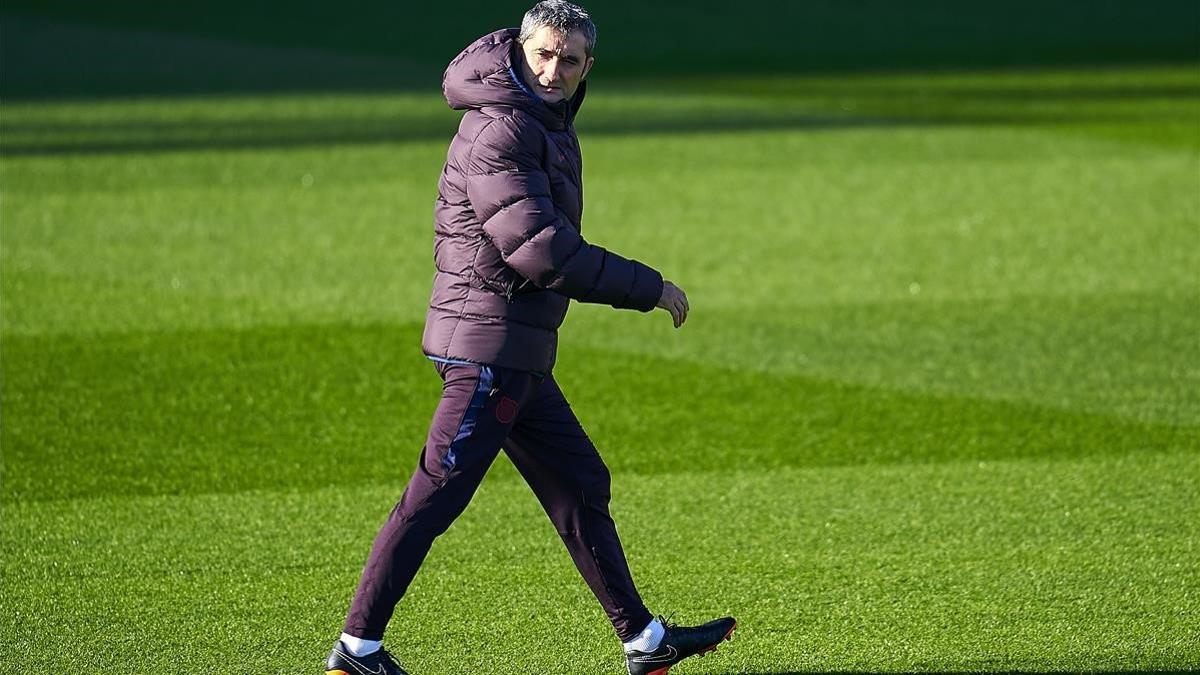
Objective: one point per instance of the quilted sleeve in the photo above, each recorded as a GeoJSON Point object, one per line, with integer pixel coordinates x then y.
{"type": "Point", "coordinates": [509, 190]}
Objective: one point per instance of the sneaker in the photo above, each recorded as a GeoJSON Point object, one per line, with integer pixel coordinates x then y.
{"type": "Point", "coordinates": [678, 643]}
{"type": "Point", "coordinates": [342, 662]}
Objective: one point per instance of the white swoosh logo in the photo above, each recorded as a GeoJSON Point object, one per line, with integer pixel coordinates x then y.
{"type": "Point", "coordinates": [671, 654]}
{"type": "Point", "coordinates": [361, 668]}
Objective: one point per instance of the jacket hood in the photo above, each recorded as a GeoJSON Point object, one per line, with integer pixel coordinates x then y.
{"type": "Point", "coordinates": [486, 73]}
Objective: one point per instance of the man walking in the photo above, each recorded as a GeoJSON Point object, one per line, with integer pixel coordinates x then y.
{"type": "Point", "coordinates": [509, 258]}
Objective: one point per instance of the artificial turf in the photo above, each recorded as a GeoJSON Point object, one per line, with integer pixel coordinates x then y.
{"type": "Point", "coordinates": [935, 408]}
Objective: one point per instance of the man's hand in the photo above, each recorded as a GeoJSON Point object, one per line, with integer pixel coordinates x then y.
{"type": "Point", "coordinates": [675, 301]}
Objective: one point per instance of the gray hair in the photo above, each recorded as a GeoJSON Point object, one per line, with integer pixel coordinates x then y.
{"type": "Point", "coordinates": [562, 16]}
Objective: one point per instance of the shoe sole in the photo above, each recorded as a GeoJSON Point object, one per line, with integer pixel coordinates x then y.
{"type": "Point", "coordinates": [702, 652]}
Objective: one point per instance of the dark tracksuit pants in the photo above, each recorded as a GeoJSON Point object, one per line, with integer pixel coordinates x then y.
{"type": "Point", "coordinates": [484, 408]}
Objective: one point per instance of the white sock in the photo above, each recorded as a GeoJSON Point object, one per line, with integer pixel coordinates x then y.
{"type": "Point", "coordinates": [648, 639]}
{"type": "Point", "coordinates": [359, 646]}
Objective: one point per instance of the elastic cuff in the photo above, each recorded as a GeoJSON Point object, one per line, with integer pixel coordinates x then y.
{"type": "Point", "coordinates": [362, 633]}
{"type": "Point", "coordinates": [631, 628]}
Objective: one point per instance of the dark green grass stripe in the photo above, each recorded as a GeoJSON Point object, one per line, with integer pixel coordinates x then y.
{"type": "Point", "coordinates": [311, 406]}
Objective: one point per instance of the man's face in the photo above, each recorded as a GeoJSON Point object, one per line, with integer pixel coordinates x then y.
{"type": "Point", "coordinates": [555, 64]}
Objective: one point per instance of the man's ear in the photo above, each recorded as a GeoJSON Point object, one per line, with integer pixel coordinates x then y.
{"type": "Point", "coordinates": [587, 67]}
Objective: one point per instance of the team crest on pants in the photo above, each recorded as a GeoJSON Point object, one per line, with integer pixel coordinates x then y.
{"type": "Point", "coordinates": [506, 410]}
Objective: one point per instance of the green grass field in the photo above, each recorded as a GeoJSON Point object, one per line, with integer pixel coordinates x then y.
{"type": "Point", "coordinates": [937, 406]}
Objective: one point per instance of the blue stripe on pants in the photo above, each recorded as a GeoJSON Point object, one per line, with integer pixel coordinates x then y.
{"type": "Point", "coordinates": [478, 402]}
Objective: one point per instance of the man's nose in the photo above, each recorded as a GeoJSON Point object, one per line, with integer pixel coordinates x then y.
{"type": "Point", "coordinates": [551, 70]}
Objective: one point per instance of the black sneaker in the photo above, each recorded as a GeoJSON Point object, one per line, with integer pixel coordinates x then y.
{"type": "Point", "coordinates": [342, 662]}
{"type": "Point", "coordinates": [678, 643]}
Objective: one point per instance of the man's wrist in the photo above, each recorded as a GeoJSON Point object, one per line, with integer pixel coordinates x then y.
{"type": "Point", "coordinates": [653, 283]}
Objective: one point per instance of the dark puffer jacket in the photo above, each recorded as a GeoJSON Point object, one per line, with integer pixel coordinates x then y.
{"type": "Point", "coordinates": [507, 242]}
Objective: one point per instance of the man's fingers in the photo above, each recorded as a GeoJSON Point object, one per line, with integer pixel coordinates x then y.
{"type": "Point", "coordinates": [681, 298]}
{"type": "Point", "coordinates": [675, 301]}
{"type": "Point", "coordinates": [670, 307]}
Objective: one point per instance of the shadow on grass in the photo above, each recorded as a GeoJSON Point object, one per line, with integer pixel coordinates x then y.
{"type": "Point", "coordinates": [95, 62]}
{"type": "Point", "coordinates": [1036, 87]}
{"type": "Point", "coordinates": [141, 136]}
{"type": "Point", "coordinates": [127, 47]}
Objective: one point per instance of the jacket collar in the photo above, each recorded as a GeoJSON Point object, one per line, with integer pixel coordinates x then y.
{"type": "Point", "coordinates": [563, 112]}
{"type": "Point", "coordinates": [487, 73]}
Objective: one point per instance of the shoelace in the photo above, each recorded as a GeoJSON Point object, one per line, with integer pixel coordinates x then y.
{"type": "Point", "coordinates": [666, 621]}
{"type": "Point", "coordinates": [392, 660]}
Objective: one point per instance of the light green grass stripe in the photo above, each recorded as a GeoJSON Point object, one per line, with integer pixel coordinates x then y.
{"type": "Point", "coordinates": [113, 243]}
{"type": "Point", "coordinates": [1030, 565]}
